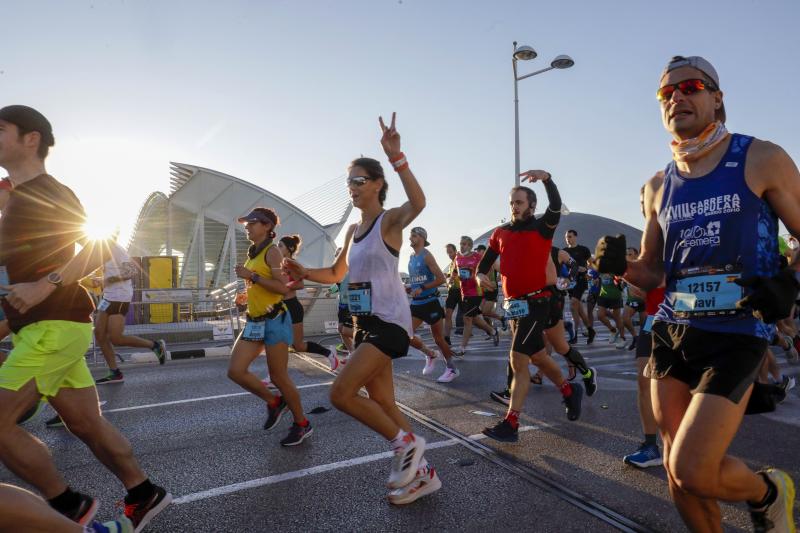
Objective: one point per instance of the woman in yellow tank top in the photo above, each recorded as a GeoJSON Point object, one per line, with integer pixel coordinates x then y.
{"type": "Point", "coordinates": [268, 327]}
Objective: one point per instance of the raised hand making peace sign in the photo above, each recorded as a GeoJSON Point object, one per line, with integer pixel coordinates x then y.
{"type": "Point", "coordinates": [390, 140]}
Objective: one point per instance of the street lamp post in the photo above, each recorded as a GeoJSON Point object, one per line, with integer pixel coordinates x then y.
{"type": "Point", "coordinates": [526, 53]}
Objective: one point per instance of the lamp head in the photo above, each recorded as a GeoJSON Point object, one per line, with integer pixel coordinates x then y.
{"type": "Point", "coordinates": [562, 61]}
{"type": "Point", "coordinates": [525, 53]}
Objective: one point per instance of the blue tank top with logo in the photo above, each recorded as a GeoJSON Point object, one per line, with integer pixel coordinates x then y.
{"type": "Point", "coordinates": [421, 275]}
{"type": "Point", "coordinates": [715, 231]}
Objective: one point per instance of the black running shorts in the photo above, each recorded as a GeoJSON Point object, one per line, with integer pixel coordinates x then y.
{"type": "Point", "coordinates": [556, 303]}
{"type": "Point", "coordinates": [644, 344]}
{"type": "Point", "coordinates": [528, 332]}
{"type": "Point", "coordinates": [114, 308]}
{"type": "Point", "coordinates": [345, 318]}
{"type": "Point", "coordinates": [609, 303]}
{"type": "Point", "coordinates": [591, 299]}
{"type": "Point", "coordinates": [580, 287]}
{"type": "Point", "coordinates": [471, 306]}
{"type": "Point", "coordinates": [453, 298]}
{"type": "Point", "coordinates": [722, 364]}
{"type": "Point", "coordinates": [389, 338]}
{"type": "Point", "coordinates": [636, 305]}
{"type": "Point", "coordinates": [295, 310]}
{"type": "Point", "coordinates": [430, 312]}
{"type": "Point", "coordinates": [490, 296]}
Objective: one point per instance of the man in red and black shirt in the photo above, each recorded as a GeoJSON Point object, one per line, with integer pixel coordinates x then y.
{"type": "Point", "coordinates": [524, 245]}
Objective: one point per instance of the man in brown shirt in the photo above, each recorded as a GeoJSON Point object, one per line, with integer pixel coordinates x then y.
{"type": "Point", "coordinates": [50, 317]}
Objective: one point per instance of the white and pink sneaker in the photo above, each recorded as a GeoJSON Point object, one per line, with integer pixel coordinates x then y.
{"type": "Point", "coordinates": [449, 375]}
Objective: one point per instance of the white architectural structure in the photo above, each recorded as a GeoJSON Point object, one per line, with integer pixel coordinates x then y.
{"type": "Point", "coordinates": [197, 222]}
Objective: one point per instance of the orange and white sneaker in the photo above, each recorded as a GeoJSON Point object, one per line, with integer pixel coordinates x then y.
{"type": "Point", "coordinates": [333, 359]}
{"type": "Point", "coordinates": [425, 482]}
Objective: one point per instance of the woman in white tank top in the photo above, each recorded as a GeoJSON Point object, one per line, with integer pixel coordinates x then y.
{"type": "Point", "coordinates": [381, 316]}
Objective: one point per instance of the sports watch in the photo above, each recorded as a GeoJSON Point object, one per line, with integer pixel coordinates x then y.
{"type": "Point", "coordinates": [55, 278]}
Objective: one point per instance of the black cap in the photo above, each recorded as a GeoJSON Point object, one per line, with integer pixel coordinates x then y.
{"type": "Point", "coordinates": [28, 119]}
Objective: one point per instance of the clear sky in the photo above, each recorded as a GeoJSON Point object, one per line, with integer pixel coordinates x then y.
{"type": "Point", "coordinates": [286, 93]}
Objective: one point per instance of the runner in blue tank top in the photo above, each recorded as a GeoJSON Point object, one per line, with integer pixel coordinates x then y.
{"type": "Point", "coordinates": [426, 278]}
{"type": "Point", "coordinates": [711, 233]}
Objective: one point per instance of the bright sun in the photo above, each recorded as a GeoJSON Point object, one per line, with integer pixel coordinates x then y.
{"type": "Point", "coordinates": [97, 229]}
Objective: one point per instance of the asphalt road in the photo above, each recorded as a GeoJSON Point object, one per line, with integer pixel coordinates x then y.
{"type": "Point", "coordinates": [200, 436]}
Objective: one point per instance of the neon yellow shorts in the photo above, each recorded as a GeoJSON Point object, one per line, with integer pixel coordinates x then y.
{"type": "Point", "coordinates": [53, 352]}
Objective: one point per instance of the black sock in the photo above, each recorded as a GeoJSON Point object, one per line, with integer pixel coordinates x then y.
{"type": "Point", "coordinates": [575, 357]}
{"type": "Point", "coordinates": [313, 347]}
{"type": "Point", "coordinates": [650, 439]}
{"type": "Point", "coordinates": [140, 492]}
{"type": "Point", "coordinates": [447, 339]}
{"type": "Point", "coordinates": [155, 346]}
{"type": "Point", "coordinates": [509, 376]}
{"type": "Point", "coordinates": [770, 497]}
{"type": "Point", "coordinates": [116, 371]}
{"type": "Point", "coordinates": [66, 501]}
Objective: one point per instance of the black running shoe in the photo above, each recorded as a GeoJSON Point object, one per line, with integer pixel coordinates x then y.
{"type": "Point", "coordinates": [496, 337]}
{"type": "Point", "coordinates": [591, 382]}
{"type": "Point", "coordinates": [503, 397]}
{"type": "Point", "coordinates": [592, 333]}
{"type": "Point", "coordinates": [274, 414]}
{"type": "Point", "coordinates": [84, 512]}
{"type": "Point", "coordinates": [502, 431]}
{"type": "Point", "coordinates": [297, 434]}
{"type": "Point", "coordinates": [573, 340]}
{"type": "Point", "coordinates": [633, 345]}
{"type": "Point", "coordinates": [140, 513]}
{"type": "Point", "coordinates": [573, 402]}
{"type": "Point", "coordinates": [504, 323]}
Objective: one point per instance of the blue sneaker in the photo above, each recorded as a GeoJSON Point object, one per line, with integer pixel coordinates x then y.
{"type": "Point", "coordinates": [120, 525]}
{"type": "Point", "coordinates": [646, 456]}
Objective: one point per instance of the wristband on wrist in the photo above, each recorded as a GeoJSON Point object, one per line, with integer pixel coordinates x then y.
{"type": "Point", "coordinates": [254, 277]}
{"type": "Point", "coordinates": [399, 162]}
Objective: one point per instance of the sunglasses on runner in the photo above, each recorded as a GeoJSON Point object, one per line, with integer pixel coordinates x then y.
{"type": "Point", "coordinates": [687, 87]}
{"type": "Point", "coordinates": [358, 181]}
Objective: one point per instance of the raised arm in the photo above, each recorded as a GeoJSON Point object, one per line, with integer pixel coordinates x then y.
{"type": "Point", "coordinates": [400, 217]}
{"type": "Point", "coordinates": [552, 214]}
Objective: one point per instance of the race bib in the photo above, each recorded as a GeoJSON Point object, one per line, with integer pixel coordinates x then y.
{"type": "Point", "coordinates": [103, 305]}
{"type": "Point", "coordinates": [516, 308]}
{"type": "Point", "coordinates": [708, 293]}
{"type": "Point", "coordinates": [254, 331]}
{"type": "Point", "coordinates": [3, 280]}
{"type": "Point", "coordinates": [464, 273]}
{"type": "Point", "coordinates": [648, 323]}
{"type": "Point", "coordinates": [359, 298]}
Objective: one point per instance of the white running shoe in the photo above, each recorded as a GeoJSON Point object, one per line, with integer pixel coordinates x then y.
{"type": "Point", "coordinates": [406, 462]}
{"type": "Point", "coordinates": [449, 375]}
{"type": "Point", "coordinates": [430, 363]}
{"type": "Point", "coordinates": [620, 344]}
{"type": "Point", "coordinates": [333, 359]}
{"type": "Point", "coordinates": [425, 482]}
{"type": "Point", "coordinates": [612, 339]}
{"type": "Point", "coordinates": [778, 515]}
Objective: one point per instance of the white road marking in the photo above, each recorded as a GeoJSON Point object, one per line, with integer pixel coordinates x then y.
{"type": "Point", "coordinates": [320, 469]}
{"type": "Point", "coordinates": [202, 399]}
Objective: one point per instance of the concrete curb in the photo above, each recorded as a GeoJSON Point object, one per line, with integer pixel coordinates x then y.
{"type": "Point", "coordinates": [150, 357]}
